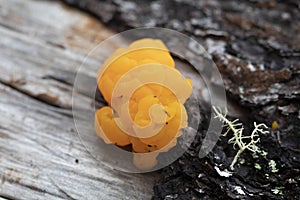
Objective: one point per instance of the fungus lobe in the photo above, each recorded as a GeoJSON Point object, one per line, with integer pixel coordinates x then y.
{"type": "Point", "coordinates": [145, 96]}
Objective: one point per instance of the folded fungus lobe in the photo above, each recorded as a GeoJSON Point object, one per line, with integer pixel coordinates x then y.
{"type": "Point", "coordinates": [145, 96]}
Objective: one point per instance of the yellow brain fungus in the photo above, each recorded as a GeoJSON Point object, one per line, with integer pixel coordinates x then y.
{"type": "Point", "coordinates": [145, 96]}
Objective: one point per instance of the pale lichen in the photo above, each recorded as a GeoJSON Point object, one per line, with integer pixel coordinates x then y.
{"type": "Point", "coordinates": [244, 142]}
{"type": "Point", "coordinates": [272, 165]}
{"type": "Point", "coordinates": [277, 190]}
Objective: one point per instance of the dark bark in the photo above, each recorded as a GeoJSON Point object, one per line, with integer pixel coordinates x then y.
{"type": "Point", "coordinates": [256, 46]}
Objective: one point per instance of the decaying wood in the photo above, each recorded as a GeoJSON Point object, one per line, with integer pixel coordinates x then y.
{"type": "Point", "coordinates": [43, 43]}
{"type": "Point", "coordinates": [255, 44]}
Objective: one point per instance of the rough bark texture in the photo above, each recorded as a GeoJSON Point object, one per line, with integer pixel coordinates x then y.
{"type": "Point", "coordinates": [42, 44]}
{"type": "Point", "coordinates": [256, 46]}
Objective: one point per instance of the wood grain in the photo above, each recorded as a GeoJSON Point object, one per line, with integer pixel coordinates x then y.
{"type": "Point", "coordinates": [43, 43]}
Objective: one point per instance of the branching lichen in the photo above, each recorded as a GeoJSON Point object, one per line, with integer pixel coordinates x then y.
{"type": "Point", "coordinates": [244, 142]}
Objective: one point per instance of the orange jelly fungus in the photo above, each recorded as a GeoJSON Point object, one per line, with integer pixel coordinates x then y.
{"type": "Point", "coordinates": [152, 107]}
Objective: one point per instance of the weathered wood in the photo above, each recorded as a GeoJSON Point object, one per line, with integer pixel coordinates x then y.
{"type": "Point", "coordinates": [43, 43]}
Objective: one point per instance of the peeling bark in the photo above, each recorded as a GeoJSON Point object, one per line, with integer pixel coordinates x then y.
{"type": "Point", "coordinates": [256, 46]}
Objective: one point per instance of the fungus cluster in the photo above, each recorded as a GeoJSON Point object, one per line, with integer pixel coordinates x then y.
{"type": "Point", "coordinates": [151, 116]}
